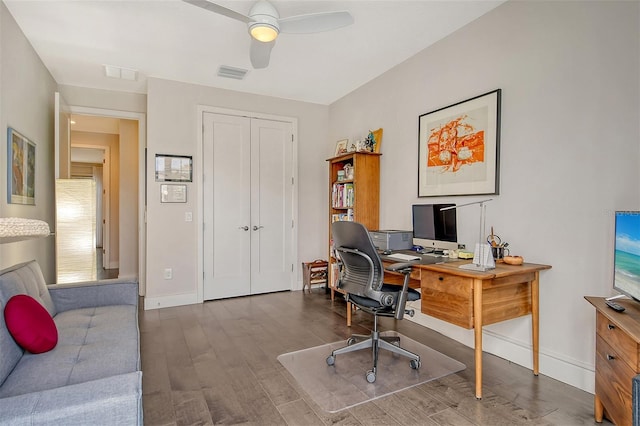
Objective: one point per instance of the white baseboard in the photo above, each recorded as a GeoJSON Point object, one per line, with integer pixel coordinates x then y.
{"type": "Point", "coordinates": [169, 301]}
{"type": "Point", "coordinates": [554, 365]}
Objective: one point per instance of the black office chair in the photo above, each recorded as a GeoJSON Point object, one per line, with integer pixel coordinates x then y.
{"type": "Point", "coordinates": [362, 280]}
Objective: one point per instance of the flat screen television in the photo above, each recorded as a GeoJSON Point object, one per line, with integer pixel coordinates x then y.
{"type": "Point", "coordinates": [626, 260]}
{"type": "Point", "coordinates": [434, 229]}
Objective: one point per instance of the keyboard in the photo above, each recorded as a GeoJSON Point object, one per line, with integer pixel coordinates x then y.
{"type": "Point", "coordinates": [405, 257]}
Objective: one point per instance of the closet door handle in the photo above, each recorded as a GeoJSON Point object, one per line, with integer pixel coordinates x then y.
{"type": "Point", "coordinates": [255, 228]}
{"type": "Point", "coordinates": [244, 228]}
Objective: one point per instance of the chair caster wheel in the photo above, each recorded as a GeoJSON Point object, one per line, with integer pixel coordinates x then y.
{"type": "Point", "coordinates": [371, 376]}
{"type": "Point", "coordinates": [415, 364]}
{"type": "Point", "coordinates": [331, 360]}
{"type": "Point", "coordinates": [350, 341]}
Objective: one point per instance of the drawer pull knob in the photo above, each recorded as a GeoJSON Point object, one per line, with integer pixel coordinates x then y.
{"type": "Point", "coordinates": [611, 327]}
{"type": "Point", "coordinates": [610, 357]}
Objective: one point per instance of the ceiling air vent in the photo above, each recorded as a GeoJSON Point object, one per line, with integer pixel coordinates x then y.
{"type": "Point", "coordinates": [231, 72]}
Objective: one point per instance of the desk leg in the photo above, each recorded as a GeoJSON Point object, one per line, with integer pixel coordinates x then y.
{"type": "Point", "coordinates": [598, 409]}
{"type": "Point", "coordinates": [349, 309]}
{"type": "Point", "coordinates": [477, 328]}
{"type": "Point", "coordinates": [535, 319]}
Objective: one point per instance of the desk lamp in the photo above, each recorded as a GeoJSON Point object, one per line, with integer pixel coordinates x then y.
{"type": "Point", "coordinates": [482, 257]}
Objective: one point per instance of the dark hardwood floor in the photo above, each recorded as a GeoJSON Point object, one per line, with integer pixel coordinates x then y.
{"type": "Point", "coordinates": [215, 363]}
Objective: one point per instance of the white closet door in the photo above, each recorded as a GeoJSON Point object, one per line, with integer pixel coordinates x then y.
{"type": "Point", "coordinates": [271, 205]}
{"type": "Point", "coordinates": [248, 205]}
{"type": "Point", "coordinates": [227, 232]}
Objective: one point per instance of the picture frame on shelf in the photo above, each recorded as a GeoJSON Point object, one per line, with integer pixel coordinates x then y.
{"type": "Point", "coordinates": [341, 147]}
{"type": "Point", "coordinates": [459, 147]}
{"type": "Point", "coordinates": [21, 169]}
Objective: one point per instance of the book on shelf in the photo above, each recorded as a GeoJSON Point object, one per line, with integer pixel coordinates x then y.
{"type": "Point", "coordinates": [342, 195]}
{"type": "Point", "coordinates": [343, 217]}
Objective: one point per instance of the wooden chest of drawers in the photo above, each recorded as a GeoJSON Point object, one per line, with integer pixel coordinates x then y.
{"type": "Point", "coordinates": [617, 359]}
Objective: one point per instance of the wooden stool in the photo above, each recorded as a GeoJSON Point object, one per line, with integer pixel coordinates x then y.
{"type": "Point", "coordinates": [314, 273]}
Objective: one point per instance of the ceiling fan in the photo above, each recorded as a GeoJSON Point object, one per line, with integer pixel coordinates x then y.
{"type": "Point", "coordinates": [265, 24]}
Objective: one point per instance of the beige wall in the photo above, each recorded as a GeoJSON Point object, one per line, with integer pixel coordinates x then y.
{"type": "Point", "coordinates": [172, 129]}
{"type": "Point", "coordinates": [104, 99]}
{"type": "Point", "coordinates": [569, 156]}
{"type": "Point", "coordinates": [26, 104]}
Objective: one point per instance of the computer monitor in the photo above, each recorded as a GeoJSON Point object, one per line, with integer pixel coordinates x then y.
{"type": "Point", "coordinates": [626, 257]}
{"type": "Point", "coordinates": [434, 229]}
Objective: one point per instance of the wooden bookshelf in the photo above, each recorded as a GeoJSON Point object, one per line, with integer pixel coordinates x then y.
{"type": "Point", "coordinates": [356, 198]}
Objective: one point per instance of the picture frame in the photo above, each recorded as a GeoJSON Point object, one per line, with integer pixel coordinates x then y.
{"type": "Point", "coordinates": [459, 148]}
{"type": "Point", "coordinates": [341, 147]}
{"type": "Point", "coordinates": [173, 193]}
{"type": "Point", "coordinates": [21, 169]}
{"type": "Point", "coordinates": [174, 168]}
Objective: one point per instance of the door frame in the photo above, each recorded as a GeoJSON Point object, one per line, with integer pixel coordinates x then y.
{"type": "Point", "coordinates": [199, 177]}
{"type": "Point", "coordinates": [142, 179]}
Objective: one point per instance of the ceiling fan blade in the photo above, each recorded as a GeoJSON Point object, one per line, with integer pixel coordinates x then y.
{"type": "Point", "coordinates": [260, 53]}
{"type": "Point", "coordinates": [216, 8]}
{"type": "Point", "coordinates": [315, 22]}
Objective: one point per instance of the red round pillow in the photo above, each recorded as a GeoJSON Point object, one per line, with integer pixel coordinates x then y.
{"type": "Point", "coordinates": [30, 324]}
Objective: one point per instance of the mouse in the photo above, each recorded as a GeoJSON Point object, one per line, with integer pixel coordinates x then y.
{"type": "Point", "coordinates": [386, 252]}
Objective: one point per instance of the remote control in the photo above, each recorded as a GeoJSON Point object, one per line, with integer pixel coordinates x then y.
{"type": "Point", "coordinates": [615, 306]}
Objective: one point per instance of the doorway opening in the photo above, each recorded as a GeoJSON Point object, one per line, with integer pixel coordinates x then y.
{"type": "Point", "coordinates": [129, 207]}
{"type": "Point", "coordinates": [93, 162]}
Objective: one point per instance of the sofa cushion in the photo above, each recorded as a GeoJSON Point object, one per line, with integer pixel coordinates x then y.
{"type": "Point", "coordinates": [93, 343]}
{"type": "Point", "coordinates": [23, 278]}
{"type": "Point", "coordinates": [30, 324]}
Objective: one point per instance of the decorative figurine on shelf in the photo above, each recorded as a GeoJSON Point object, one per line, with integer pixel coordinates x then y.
{"type": "Point", "coordinates": [348, 171]}
{"type": "Point", "coordinates": [369, 143]}
{"type": "Point", "coordinates": [374, 140]}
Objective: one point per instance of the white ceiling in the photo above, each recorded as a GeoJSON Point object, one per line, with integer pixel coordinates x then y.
{"type": "Point", "coordinates": [174, 40]}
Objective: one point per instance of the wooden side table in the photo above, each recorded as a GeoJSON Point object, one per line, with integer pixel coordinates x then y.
{"type": "Point", "coordinates": [315, 272]}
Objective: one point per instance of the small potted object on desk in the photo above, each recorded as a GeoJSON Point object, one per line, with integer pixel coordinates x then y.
{"type": "Point", "coordinates": [501, 252]}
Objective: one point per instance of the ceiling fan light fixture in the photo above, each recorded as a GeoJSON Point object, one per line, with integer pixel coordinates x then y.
{"type": "Point", "coordinates": [263, 31]}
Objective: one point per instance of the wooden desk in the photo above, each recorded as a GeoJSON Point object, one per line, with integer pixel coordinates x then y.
{"type": "Point", "coordinates": [473, 299]}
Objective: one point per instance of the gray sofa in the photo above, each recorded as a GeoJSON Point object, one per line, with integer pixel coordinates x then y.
{"type": "Point", "coordinates": [92, 376]}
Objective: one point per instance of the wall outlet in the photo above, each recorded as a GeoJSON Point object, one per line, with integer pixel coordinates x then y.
{"type": "Point", "coordinates": [168, 273]}
{"type": "Point", "coordinates": [188, 216]}
{"type": "Point", "coordinates": [461, 246]}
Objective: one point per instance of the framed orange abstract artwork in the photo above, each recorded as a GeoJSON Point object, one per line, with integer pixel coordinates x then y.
{"type": "Point", "coordinates": [458, 148]}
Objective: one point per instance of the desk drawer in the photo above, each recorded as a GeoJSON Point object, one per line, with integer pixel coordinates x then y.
{"type": "Point", "coordinates": [613, 382]}
{"type": "Point", "coordinates": [625, 346]}
{"type": "Point", "coordinates": [447, 297]}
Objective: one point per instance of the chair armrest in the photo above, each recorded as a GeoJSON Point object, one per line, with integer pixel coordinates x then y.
{"type": "Point", "coordinates": [94, 293]}
{"type": "Point", "coordinates": [398, 267]}
{"type": "Point", "coordinates": [404, 269]}
{"type": "Point", "coordinates": [112, 400]}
